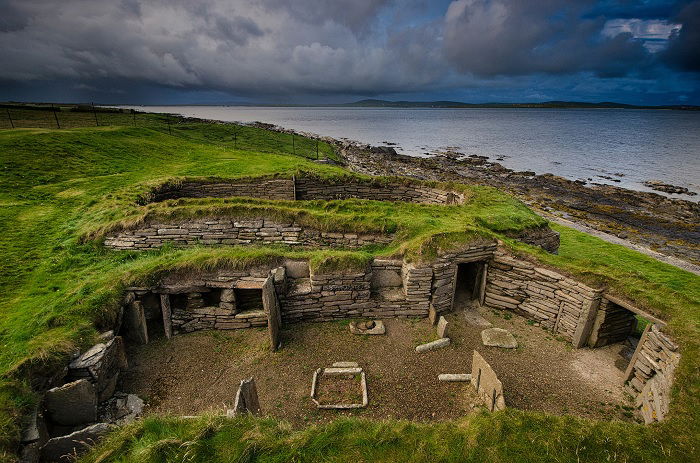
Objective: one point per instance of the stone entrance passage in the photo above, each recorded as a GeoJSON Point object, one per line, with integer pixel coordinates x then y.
{"type": "Point", "coordinates": [469, 283]}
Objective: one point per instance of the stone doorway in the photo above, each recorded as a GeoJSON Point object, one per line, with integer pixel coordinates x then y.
{"type": "Point", "coordinates": [469, 284]}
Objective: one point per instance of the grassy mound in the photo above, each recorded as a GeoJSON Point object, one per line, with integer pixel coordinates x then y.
{"type": "Point", "coordinates": [60, 190]}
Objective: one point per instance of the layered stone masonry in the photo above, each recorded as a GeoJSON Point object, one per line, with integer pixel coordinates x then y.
{"type": "Point", "coordinates": [650, 373]}
{"type": "Point", "coordinates": [613, 323]}
{"type": "Point", "coordinates": [310, 188]}
{"type": "Point", "coordinates": [558, 303]}
{"type": "Point", "coordinates": [260, 188]}
{"type": "Point", "coordinates": [336, 296]}
{"type": "Point", "coordinates": [306, 189]}
{"type": "Point", "coordinates": [228, 231]}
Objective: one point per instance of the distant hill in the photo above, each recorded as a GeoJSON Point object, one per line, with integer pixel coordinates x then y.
{"type": "Point", "coordinates": [547, 104]}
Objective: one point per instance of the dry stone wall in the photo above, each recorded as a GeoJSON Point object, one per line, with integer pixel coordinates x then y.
{"type": "Point", "coordinates": [259, 188]}
{"type": "Point", "coordinates": [650, 373]}
{"type": "Point", "coordinates": [306, 188]}
{"type": "Point", "coordinates": [335, 296]}
{"type": "Point", "coordinates": [230, 231]}
{"type": "Point", "coordinates": [558, 303]}
{"type": "Point", "coordinates": [311, 188]}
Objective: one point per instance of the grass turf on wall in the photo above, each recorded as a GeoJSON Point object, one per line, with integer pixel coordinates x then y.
{"type": "Point", "coordinates": [57, 187]}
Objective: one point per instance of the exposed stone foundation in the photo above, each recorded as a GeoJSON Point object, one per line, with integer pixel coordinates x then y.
{"type": "Point", "coordinates": [218, 231]}
{"type": "Point", "coordinates": [445, 271]}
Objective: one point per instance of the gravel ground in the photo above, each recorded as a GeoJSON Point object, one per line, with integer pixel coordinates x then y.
{"type": "Point", "coordinates": [200, 372]}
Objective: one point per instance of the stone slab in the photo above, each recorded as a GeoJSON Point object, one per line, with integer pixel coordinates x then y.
{"type": "Point", "coordinates": [455, 377]}
{"type": "Point", "coordinates": [444, 342]}
{"type": "Point", "coordinates": [498, 337]}
{"type": "Point", "coordinates": [475, 319]}
{"type": "Point", "coordinates": [64, 448]}
{"type": "Point", "coordinates": [345, 364]}
{"type": "Point", "coordinates": [487, 384]}
{"type": "Point", "coordinates": [246, 399]}
{"type": "Point", "coordinates": [342, 371]}
{"type": "Point", "coordinates": [442, 327]}
{"type": "Point", "coordinates": [73, 403]}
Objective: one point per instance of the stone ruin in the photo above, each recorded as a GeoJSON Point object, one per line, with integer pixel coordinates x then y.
{"type": "Point", "coordinates": [82, 406]}
{"type": "Point", "coordinates": [85, 402]}
{"type": "Point", "coordinates": [266, 230]}
{"type": "Point", "coordinates": [479, 274]}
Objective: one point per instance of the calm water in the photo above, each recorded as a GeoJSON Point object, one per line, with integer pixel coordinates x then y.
{"type": "Point", "coordinates": [574, 143]}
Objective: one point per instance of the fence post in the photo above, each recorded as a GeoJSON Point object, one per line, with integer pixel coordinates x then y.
{"type": "Point", "coordinates": [133, 116]}
{"type": "Point", "coordinates": [10, 117]}
{"type": "Point", "coordinates": [97, 123]}
{"type": "Point", "coordinates": [294, 149]}
{"type": "Point", "coordinates": [169, 131]}
{"type": "Point", "coordinates": [235, 139]}
{"type": "Point", "coordinates": [317, 149]}
{"type": "Point", "coordinates": [58, 126]}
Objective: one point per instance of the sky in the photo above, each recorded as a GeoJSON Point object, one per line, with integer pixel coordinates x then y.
{"type": "Point", "coordinates": [336, 51]}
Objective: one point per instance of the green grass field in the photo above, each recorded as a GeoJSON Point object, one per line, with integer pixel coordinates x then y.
{"type": "Point", "coordinates": [61, 189]}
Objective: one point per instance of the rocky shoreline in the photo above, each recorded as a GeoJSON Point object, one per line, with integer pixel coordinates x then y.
{"type": "Point", "coordinates": [668, 226]}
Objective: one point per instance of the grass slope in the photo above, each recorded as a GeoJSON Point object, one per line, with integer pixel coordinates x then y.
{"type": "Point", "coordinates": [59, 187]}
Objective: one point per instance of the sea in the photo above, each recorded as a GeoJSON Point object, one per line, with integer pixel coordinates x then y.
{"type": "Point", "coordinates": [623, 147]}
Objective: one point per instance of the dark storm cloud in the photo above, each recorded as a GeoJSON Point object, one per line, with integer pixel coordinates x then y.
{"type": "Point", "coordinates": [511, 37]}
{"type": "Point", "coordinates": [287, 49]}
{"type": "Point", "coordinates": [355, 14]}
{"type": "Point", "coordinates": [684, 48]}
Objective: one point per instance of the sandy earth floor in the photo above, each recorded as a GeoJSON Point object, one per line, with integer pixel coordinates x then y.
{"type": "Point", "coordinates": [198, 372]}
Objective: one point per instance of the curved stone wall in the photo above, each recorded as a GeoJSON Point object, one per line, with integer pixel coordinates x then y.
{"type": "Point", "coordinates": [222, 231]}
{"type": "Point", "coordinates": [306, 189]}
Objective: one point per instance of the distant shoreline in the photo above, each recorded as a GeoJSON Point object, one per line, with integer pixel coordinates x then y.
{"type": "Point", "coordinates": [406, 105]}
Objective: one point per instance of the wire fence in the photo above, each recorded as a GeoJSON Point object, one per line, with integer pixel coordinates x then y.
{"type": "Point", "coordinates": [241, 137]}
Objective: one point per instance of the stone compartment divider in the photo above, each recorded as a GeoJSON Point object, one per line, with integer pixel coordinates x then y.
{"type": "Point", "coordinates": [232, 231]}
{"type": "Point", "coordinates": [487, 385]}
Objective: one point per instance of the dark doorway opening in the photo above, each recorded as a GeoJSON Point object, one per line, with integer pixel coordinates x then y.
{"type": "Point", "coordinates": [153, 315]}
{"type": "Point", "coordinates": [248, 299]}
{"type": "Point", "coordinates": [212, 298]}
{"type": "Point", "coordinates": [468, 282]}
{"type": "Point", "coordinates": [178, 301]}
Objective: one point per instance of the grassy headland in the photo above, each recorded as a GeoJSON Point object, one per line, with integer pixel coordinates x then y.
{"type": "Point", "coordinates": [61, 189]}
